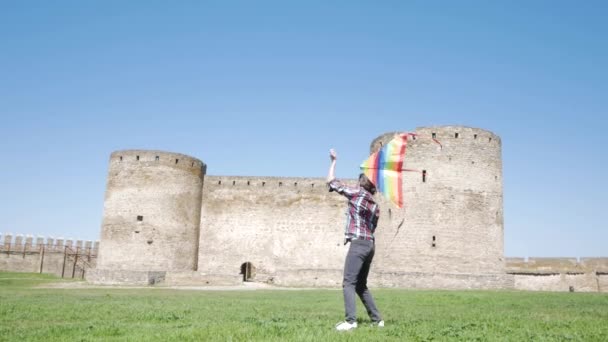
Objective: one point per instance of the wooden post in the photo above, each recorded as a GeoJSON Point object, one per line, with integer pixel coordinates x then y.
{"type": "Point", "coordinates": [41, 257]}
{"type": "Point", "coordinates": [75, 261]}
{"type": "Point", "coordinates": [65, 255]}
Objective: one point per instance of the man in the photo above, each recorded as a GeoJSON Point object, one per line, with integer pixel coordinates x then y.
{"type": "Point", "coordinates": [362, 219]}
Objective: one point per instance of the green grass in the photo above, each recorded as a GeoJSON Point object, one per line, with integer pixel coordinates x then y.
{"type": "Point", "coordinates": [31, 313]}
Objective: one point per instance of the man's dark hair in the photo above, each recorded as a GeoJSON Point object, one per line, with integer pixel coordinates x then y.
{"type": "Point", "coordinates": [366, 184]}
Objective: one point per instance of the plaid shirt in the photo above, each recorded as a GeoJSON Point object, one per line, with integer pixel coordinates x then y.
{"type": "Point", "coordinates": [363, 211]}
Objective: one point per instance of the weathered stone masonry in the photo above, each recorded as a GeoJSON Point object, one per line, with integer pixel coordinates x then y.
{"type": "Point", "coordinates": [166, 221]}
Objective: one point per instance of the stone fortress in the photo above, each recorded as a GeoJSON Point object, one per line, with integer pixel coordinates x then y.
{"type": "Point", "coordinates": [167, 222]}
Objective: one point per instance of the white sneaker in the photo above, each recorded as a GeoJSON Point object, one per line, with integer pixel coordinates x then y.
{"type": "Point", "coordinates": [379, 324]}
{"type": "Point", "coordinates": [345, 326]}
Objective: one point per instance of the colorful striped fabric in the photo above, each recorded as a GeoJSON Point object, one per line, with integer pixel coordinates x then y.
{"type": "Point", "coordinates": [384, 168]}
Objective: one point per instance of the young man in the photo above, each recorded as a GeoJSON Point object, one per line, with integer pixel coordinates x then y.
{"type": "Point", "coordinates": [362, 218]}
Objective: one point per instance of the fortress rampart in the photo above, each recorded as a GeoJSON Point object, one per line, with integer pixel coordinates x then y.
{"type": "Point", "coordinates": [63, 257]}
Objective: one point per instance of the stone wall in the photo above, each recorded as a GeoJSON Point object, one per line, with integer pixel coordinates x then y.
{"type": "Point", "coordinates": [67, 258]}
{"type": "Point", "coordinates": [284, 227]}
{"type": "Point", "coordinates": [559, 274]}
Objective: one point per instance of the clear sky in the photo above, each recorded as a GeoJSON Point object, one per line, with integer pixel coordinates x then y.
{"type": "Point", "coordinates": [260, 88]}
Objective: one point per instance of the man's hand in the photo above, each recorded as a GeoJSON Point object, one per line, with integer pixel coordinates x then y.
{"type": "Point", "coordinates": [332, 167]}
{"type": "Point", "coordinates": [332, 155]}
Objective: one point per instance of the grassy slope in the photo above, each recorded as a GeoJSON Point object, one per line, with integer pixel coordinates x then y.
{"type": "Point", "coordinates": [31, 313]}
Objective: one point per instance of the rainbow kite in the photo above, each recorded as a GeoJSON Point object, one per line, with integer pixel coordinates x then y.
{"type": "Point", "coordinates": [384, 168]}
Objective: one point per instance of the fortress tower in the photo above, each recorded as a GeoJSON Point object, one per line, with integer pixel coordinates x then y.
{"type": "Point", "coordinates": [451, 226]}
{"type": "Point", "coordinates": [151, 216]}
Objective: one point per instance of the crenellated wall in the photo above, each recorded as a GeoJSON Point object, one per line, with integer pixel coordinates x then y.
{"type": "Point", "coordinates": [282, 226]}
{"type": "Point", "coordinates": [63, 257]}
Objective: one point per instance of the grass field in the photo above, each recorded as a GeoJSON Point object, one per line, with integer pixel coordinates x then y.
{"type": "Point", "coordinates": [29, 312]}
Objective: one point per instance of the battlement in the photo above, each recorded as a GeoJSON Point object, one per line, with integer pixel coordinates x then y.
{"type": "Point", "coordinates": [556, 265]}
{"type": "Point", "coordinates": [446, 135]}
{"type": "Point", "coordinates": [19, 243]}
{"type": "Point", "coordinates": [271, 183]}
{"type": "Point", "coordinates": [129, 158]}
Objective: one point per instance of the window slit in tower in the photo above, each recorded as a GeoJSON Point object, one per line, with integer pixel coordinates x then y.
{"type": "Point", "coordinates": [263, 183]}
{"type": "Point", "coordinates": [423, 176]}
{"type": "Point", "coordinates": [120, 158]}
{"type": "Point", "coordinates": [433, 244]}
{"type": "Point", "coordinates": [176, 160]}
{"type": "Point", "coordinates": [456, 135]}
{"type": "Point", "coordinates": [136, 157]}
{"type": "Point", "coordinates": [140, 218]}
{"type": "Point", "coordinates": [157, 158]}
{"type": "Point", "coordinates": [474, 136]}
{"type": "Point", "coordinates": [434, 135]}
{"type": "Point", "coordinates": [233, 182]}
{"type": "Point", "coordinates": [490, 139]}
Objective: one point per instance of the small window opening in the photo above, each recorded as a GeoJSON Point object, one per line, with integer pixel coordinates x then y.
{"type": "Point", "coordinates": [233, 182]}
{"type": "Point", "coordinates": [280, 183]}
{"type": "Point", "coordinates": [263, 183]}
{"type": "Point", "coordinates": [381, 144]}
{"type": "Point", "coordinates": [434, 244]}
{"type": "Point", "coordinates": [247, 271]}
{"type": "Point", "coordinates": [456, 135]}
{"type": "Point", "coordinates": [571, 288]}
{"type": "Point", "coordinates": [140, 218]}
{"type": "Point", "coordinates": [474, 136]}
{"type": "Point", "coordinates": [490, 139]}
{"type": "Point", "coordinates": [157, 158]}
{"type": "Point", "coordinates": [192, 164]}
{"type": "Point", "coordinates": [219, 182]}
{"type": "Point", "coordinates": [120, 158]}
{"type": "Point", "coordinates": [136, 157]}
{"type": "Point", "coordinates": [295, 184]}
{"type": "Point", "coordinates": [414, 137]}
{"type": "Point", "coordinates": [390, 213]}
{"type": "Point", "coordinates": [248, 182]}
{"type": "Point", "coordinates": [149, 242]}
{"type": "Point", "coordinates": [472, 162]}
{"type": "Point", "coordinates": [312, 185]}
{"type": "Point", "coordinates": [434, 135]}
{"type": "Point", "coordinates": [423, 176]}
{"type": "Point", "coordinates": [176, 161]}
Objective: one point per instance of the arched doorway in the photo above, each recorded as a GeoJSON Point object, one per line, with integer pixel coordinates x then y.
{"type": "Point", "coordinates": [247, 270]}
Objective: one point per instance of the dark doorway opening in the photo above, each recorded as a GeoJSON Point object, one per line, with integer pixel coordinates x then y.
{"type": "Point", "coordinates": [247, 271]}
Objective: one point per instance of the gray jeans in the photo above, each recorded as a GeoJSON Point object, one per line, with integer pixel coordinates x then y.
{"type": "Point", "coordinates": [356, 269]}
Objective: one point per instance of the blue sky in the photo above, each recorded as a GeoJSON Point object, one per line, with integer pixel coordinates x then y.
{"type": "Point", "coordinates": [265, 88]}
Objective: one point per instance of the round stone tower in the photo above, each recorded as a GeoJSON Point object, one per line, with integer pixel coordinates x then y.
{"type": "Point", "coordinates": [452, 219]}
{"type": "Point", "coordinates": [152, 213]}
